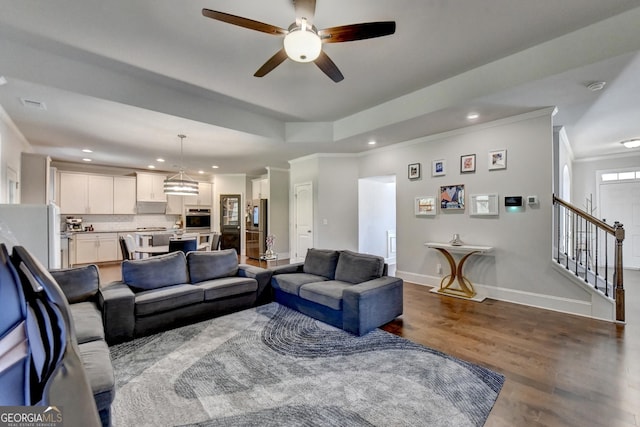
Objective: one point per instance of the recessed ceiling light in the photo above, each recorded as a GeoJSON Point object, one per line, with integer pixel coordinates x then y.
{"type": "Point", "coordinates": [86, 159]}
{"type": "Point", "coordinates": [596, 86]}
{"type": "Point", "coordinates": [160, 159]}
{"type": "Point", "coordinates": [151, 167]}
{"type": "Point", "coordinates": [201, 172]}
{"type": "Point", "coordinates": [3, 80]}
{"type": "Point", "coordinates": [215, 167]}
{"type": "Point", "coordinates": [631, 143]}
{"type": "Point", "coordinates": [472, 116]}
{"type": "Point", "coordinates": [372, 143]}
{"type": "Point", "coordinates": [86, 150]}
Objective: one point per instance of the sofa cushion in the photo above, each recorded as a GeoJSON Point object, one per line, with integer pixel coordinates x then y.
{"type": "Point", "coordinates": [357, 268]}
{"type": "Point", "coordinates": [88, 322]}
{"type": "Point", "coordinates": [321, 262]}
{"type": "Point", "coordinates": [78, 283]}
{"type": "Point", "coordinates": [290, 283]}
{"type": "Point", "coordinates": [227, 287]}
{"type": "Point", "coordinates": [155, 272]}
{"type": "Point", "coordinates": [97, 362]}
{"type": "Point", "coordinates": [207, 265]}
{"type": "Point", "coordinates": [327, 293]}
{"type": "Point", "coordinates": [167, 298]}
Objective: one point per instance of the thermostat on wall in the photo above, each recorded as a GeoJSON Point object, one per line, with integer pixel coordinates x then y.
{"type": "Point", "coordinates": [532, 200]}
{"type": "Point", "coordinates": [513, 200]}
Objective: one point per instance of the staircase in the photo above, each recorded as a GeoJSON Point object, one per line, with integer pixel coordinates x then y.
{"type": "Point", "coordinates": [591, 250]}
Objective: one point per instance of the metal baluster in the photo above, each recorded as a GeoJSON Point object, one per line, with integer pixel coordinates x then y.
{"type": "Point", "coordinates": [558, 239]}
{"type": "Point", "coordinates": [566, 237]}
{"type": "Point", "coordinates": [595, 278]}
{"type": "Point", "coordinates": [576, 225]}
{"type": "Point", "coordinates": [586, 250]}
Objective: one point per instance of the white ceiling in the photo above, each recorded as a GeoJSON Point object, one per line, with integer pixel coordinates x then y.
{"type": "Point", "coordinates": [124, 78]}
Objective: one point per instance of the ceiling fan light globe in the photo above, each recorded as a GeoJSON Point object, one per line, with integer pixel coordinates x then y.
{"type": "Point", "coordinates": [302, 46]}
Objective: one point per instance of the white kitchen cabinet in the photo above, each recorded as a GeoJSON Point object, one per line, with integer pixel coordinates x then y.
{"type": "Point", "coordinates": [260, 188]}
{"type": "Point", "coordinates": [95, 247]}
{"type": "Point", "coordinates": [150, 187]}
{"type": "Point", "coordinates": [100, 194]}
{"type": "Point", "coordinates": [124, 195]}
{"type": "Point", "coordinates": [204, 197]}
{"type": "Point", "coordinates": [86, 193]}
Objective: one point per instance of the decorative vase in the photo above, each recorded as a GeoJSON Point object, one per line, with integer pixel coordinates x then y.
{"type": "Point", "coordinates": [269, 253]}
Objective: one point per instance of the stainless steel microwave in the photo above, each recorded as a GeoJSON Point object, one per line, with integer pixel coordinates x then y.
{"type": "Point", "coordinates": [197, 219]}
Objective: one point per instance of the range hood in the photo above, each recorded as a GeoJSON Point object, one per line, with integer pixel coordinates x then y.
{"type": "Point", "coordinates": [151, 207]}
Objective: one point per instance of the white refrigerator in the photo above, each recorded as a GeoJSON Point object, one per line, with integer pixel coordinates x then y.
{"type": "Point", "coordinates": [36, 227]}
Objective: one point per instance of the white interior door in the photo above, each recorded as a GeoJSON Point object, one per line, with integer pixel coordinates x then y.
{"type": "Point", "coordinates": [303, 221]}
{"type": "Point", "coordinates": [620, 202]}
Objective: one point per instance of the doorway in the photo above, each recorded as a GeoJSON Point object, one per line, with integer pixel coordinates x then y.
{"type": "Point", "coordinates": [230, 221]}
{"type": "Point", "coordinates": [303, 220]}
{"type": "Point", "coordinates": [377, 217]}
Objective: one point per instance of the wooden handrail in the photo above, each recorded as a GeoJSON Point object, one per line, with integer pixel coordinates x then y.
{"type": "Point", "coordinates": [607, 227]}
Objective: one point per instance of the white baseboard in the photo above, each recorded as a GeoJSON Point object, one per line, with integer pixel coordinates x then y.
{"type": "Point", "coordinates": [547, 302]}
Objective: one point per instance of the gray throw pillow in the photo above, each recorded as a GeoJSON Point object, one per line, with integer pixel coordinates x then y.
{"type": "Point", "coordinates": [321, 262]}
{"type": "Point", "coordinates": [356, 268]}
{"type": "Point", "coordinates": [78, 283]}
{"type": "Point", "coordinates": [208, 265]}
{"type": "Point", "coordinates": [155, 272]}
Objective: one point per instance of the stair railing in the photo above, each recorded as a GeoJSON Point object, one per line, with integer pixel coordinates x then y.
{"type": "Point", "coordinates": [591, 249]}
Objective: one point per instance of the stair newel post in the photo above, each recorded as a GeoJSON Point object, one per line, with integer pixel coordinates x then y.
{"type": "Point", "coordinates": [619, 293]}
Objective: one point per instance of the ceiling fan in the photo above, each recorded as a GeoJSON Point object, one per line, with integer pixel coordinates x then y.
{"type": "Point", "coordinates": [303, 41]}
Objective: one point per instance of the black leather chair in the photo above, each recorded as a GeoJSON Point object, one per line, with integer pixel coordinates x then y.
{"type": "Point", "coordinates": [124, 249]}
{"type": "Point", "coordinates": [184, 245]}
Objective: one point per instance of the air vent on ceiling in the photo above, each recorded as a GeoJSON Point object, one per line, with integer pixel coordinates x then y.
{"type": "Point", "coordinates": [33, 104]}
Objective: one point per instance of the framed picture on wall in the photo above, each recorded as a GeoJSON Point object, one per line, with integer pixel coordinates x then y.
{"type": "Point", "coordinates": [438, 167]}
{"type": "Point", "coordinates": [414, 171]}
{"type": "Point", "coordinates": [497, 159]}
{"type": "Point", "coordinates": [425, 205]}
{"type": "Point", "coordinates": [468, 163]}
{"type": "Point", "coordinates": [452, 197]}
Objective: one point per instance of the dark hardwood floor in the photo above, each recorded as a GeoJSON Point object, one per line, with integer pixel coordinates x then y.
{"type": "Point", "coordinates": [561, 370]}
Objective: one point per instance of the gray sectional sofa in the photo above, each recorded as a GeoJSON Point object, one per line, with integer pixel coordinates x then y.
{"type": "Point", "coordinates": [169, 290]}
{"type": "Point", "coordinates": [346, 289]}
{"type": "Point", "coordinates": [80, 286]}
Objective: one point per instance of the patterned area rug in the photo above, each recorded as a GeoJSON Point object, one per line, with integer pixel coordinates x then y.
{"type": "Point", "coordinates": [272, 366]}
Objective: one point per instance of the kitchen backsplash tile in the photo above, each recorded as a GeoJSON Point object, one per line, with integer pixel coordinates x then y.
{"type": "Point", "coordinates": [124, 222]}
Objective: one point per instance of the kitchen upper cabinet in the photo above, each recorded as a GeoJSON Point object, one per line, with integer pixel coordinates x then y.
{"type": "Point", "coordinates": [150, 187]}
{"type": "Point", "coordinates": [204, 197]}
{"type": "Point", "coordinates": [85, 194]}
{"type": "Point", "coordinates": [260, 188]}
{"type": "Point", "coordinates": [124, 195]}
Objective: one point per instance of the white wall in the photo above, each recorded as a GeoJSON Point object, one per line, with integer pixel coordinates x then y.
{"type": "Point", "coordinates": [337, 205]}
{"type": "Point", "coordinates": [520, 269]}
{"type": "Point", "coordinates": [585, 175]}
{"type": "Point", "coordinates": [12, 144]}
{"type": "Point", "coordinates": [279, 209]}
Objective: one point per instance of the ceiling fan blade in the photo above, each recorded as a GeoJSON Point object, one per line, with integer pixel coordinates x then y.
{"type": "Point", "coordinates": [305, 9]}
{"type": "Point", "coordinates": [243, 22]}
{"type": "Point", "coordinates": [328, 67]}
{"type": "Point", "coordinates": [367, 30]}
{"type": "Point", "coordinates": [271, 63]}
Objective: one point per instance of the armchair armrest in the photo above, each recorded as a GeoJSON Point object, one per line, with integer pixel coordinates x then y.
{"type": "Point", "coordinates": [370, 304]}
{"type": "Point", "coordinates": [117, 302]}
{"type": "Point", "coordinates": [263, 276]}
{"type": "Point", "coordinates": [289, 268]}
